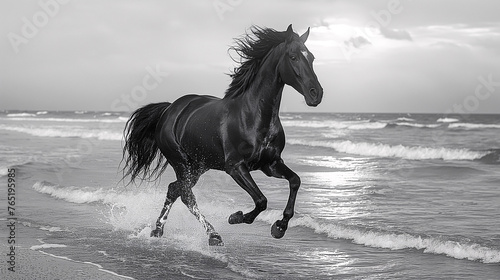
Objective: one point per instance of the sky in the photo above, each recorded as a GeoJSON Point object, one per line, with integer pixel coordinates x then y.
{"type": "Point", "coordinates": [398, 56]}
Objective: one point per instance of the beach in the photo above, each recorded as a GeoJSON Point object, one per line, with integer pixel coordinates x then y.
{"type": "Point", "coordinates": [383, 196]}
{"type": "Point", "coordinates": [37, 260]}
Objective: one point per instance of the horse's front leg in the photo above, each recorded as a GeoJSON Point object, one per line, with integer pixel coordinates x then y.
{"type": "Point", "coordinates": [242, 176]}
{"type": "Point", "coordinates": [278, 169]}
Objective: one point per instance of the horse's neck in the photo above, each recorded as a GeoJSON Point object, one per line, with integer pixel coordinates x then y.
{"type": "Point", "coordinates": [264, 95]}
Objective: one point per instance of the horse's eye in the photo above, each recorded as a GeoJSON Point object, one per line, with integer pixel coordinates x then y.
{"type": "Point", "coordinates": [293, 57]}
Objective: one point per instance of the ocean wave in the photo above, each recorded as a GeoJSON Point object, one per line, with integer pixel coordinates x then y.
{"type": "Point", "coordinates": [403, 119]}
{"type": "Point", "coordinates": [392, 240]}
{"type": "Point", "coordinates": [81, 195]}
{"type": "Point", "coordinates": [128, 209]}
{"type": "Point", "coordinates": [42, 113]}
{"type": "Point", "coordinates": [47, 246]}
{"type": "Point", "coordinates": [131, 209]}
{"type": "Point", "coordinates": [65, 132]}
{"type": "Point", "coordinates": [110, 114]}
{"type": "Point", "coordinates": [473, 126]}
{"type": "Point", "coordinates": [399, 151]}
{"type": "Point", "coordinates": [116, 197]}
{"type": "Point", "coordinates": [70, 120]}
{"type": "Point", "coordinates": [399, 241]}
{"type": "Point", "coordinates": [450, 123]}
{"type": "Point", "coordinates": [13, 115]}
{"type": "Point", "coordinates": [418, 125]}
{"type": "Point", "coordinates": [492, 157]}
{"type": "Point", "coordinates": [51, 229]}
{"type": "Point", "coordinates": [351, 125]}
{"type": "Point", "coordinates": [135, 210]}
{"type": "Point", "coordinates": [14, 163]}
{"type": "Point", "coordinates": [447, 120]}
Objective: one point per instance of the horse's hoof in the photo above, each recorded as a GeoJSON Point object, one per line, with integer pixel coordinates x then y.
{"type": "Point", "coordinates": [236, 218]}
{"type": "Point", "coordinates": [158, 232]}
{"type": "Point", "coordinates": [215, 240]}
{"type": "Point", "coordinates": [277, 231]}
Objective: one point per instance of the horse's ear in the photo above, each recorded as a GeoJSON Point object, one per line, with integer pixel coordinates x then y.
{"type": "Point", "coordinates": [304, 36]}
{"type": "Point", "coordinates": [289, 34]}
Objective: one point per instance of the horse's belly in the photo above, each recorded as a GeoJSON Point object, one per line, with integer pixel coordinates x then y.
{"type": "Point", "coordinates": [202, 143]}
{"type": "Point", "coordinates": [205, 150]}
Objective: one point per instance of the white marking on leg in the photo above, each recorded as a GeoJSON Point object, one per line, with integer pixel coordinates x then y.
{"type": "Point", "coordinates": [163, 219]}
{"type": "Point", "coordinates": [196, 212]}
{"type": "Point", "coordinates": [167, 211]}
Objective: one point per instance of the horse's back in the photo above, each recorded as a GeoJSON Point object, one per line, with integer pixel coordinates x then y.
{"type": "Point", "coordinates": [191, 126]}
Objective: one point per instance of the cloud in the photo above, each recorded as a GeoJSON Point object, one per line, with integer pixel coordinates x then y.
{"type": "Point", "coordinates": [357, 42]}
{"type": "Point", "coordinates": [396, 34]}
{"type": "Point", "coordinates": [420, 55]}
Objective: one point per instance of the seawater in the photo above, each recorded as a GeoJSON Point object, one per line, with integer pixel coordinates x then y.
{"type": "Point", "coordinates": [383, 196]}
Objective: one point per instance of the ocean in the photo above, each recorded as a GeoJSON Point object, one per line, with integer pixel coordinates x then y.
{"type": "Point", "coordinates": [383, 196]}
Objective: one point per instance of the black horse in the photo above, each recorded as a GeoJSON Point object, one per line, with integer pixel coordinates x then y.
{"type": "Point", "coordinates": [239, 133]}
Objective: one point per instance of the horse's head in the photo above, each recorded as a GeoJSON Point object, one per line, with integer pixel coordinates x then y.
{"type": "Point", "coordinates": [296, 68]}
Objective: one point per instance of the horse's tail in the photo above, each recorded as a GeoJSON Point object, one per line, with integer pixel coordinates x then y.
{"type": "Point", "coordinates": [140, 148]}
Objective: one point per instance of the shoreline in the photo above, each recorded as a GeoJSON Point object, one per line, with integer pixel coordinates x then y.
{"type": "Point", "coordinates": [35, 259]}
{"type": "Point", "coordinates": [34, 264]}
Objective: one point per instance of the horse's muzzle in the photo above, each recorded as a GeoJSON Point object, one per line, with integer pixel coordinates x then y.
{"type": "Point", "coordinates": [314, 97]}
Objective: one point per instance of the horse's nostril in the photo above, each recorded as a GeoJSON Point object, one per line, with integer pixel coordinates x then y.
{"type": "Point", "coordinates": [313, 92]}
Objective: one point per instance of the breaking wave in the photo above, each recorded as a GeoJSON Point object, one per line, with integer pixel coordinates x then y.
{"type": "Point", "coordinates": [23, 117]}
{"type": "Point", "coordinates": [447, 120]}
{"type": "Point", "coordinates": [473, 126]}
{"type": "Point", "coordinates": [14, 115]}
{"type": "Point", "coordinates": [81, 195]}
{"type": "Point", "coordinates": [133, 209]}
{"type": "Point", "coordinates": [65, 132]}
{"type": "Point", "coordinates": [400, 122]}
{"type": "Point", "coordinates": [440, 245]}
{"type": "Point", "coordinates": [352, 125]}
{"type": "Point", "coordinates": [398, 151]}
{"type": "Point", "coordinates": [403, 119]}
{"type": "Point", "coordinates": [410, 124]}
{"type": "Point", "coordinates": [129, 212]}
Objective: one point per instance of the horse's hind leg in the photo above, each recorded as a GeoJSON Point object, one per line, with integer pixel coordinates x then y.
{"type": "Point", "coordinates": [172, 195]}
{"type": "Point", "coordinates": [189, 200]}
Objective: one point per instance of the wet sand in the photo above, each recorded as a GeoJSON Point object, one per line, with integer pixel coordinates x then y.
{"type": "Point", "coordinates": [35, 259]}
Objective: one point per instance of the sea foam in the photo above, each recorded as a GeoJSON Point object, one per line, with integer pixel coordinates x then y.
{"type": "Point", "coordinates": [419, 125]}
{"type": "Point", "coordinates": [392, 240]}
{"type": "Point", "coordinates": [473, 126]}
{"type": "Point", "coordinates": [398, 241]}
{"type": "Point", "coordinates": [447, 120]}
{"type": "Point", "coordinates": [403, 119]}
{"type": "Point", "coordinates": [351, 125]}
{"type": "Point", "coordinates": [69, 120]}
{"type": "Point", "coordinates": [397, 151]}
{"type": "Point", "coordinates": [65, 132]}
{"type": "Point", "coordinates": [132, 208]}
{"type": "Point", "coordinates": [20, 115]}
{"type": "Point", "coordinates": [81, 194]}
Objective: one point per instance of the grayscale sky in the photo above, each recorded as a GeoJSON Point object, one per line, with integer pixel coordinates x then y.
{"type": "Point", "coordinates": [430, 56]}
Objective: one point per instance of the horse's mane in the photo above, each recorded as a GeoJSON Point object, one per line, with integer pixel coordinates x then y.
{"type": "Point", "coordinates": [252, 48]}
